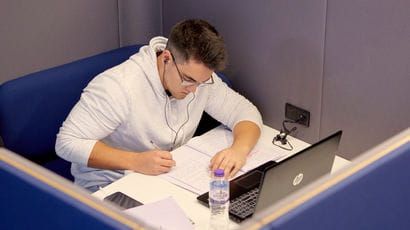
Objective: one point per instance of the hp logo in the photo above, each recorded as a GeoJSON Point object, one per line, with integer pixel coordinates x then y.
{"type": "Point", "coordinates": [298, 179]}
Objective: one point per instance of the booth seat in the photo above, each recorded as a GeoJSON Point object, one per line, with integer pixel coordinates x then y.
{"type": "Point", "coordinates": [33, 107]}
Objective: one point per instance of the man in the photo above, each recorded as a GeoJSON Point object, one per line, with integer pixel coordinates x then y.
{"type": "Point", "coordinates": [130, 116]}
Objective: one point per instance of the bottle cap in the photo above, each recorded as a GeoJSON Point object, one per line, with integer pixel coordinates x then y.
{"type": "Point", "coordinates": [219, 173]}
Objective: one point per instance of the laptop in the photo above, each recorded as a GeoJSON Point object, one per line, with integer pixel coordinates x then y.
{"type": "Point", "coordinates": [263, 186]}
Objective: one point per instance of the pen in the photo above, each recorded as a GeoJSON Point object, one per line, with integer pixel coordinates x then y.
{"type": "Point", "coordinates": [155, 146]}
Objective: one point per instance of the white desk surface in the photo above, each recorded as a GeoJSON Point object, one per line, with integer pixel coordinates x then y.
{"type": "Point", "coordinates": [148, 189]}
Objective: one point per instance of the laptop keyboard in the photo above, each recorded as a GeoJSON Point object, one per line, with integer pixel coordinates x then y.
{"type": "Point", "coordinates": [244, 205]}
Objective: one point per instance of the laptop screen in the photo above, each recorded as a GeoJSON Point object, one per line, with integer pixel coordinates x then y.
{"type": "Point", "coordinates": [297, 171]}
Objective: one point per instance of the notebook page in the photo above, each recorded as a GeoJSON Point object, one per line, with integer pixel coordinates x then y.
{"type": "Point", "coordinates": [221, 138]}
{"type": "Point", "coordinates": [213, 141]}
{"type": "Point", "coordinates": [191, 171]}
{"type": "Point", "coordinates": [192, 160]}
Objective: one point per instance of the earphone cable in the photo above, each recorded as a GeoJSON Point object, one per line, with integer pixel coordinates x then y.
{"type": "Point", "coordinates": [183, 124]}
{"type": "Point", "coordinates": [166, 117]}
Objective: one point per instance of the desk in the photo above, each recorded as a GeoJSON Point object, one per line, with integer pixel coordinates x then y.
{"type": "Point", "coordinates": [148, 189]}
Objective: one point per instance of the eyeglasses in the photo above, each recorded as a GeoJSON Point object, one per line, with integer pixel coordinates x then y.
{"type": "Point", "coordinates": [188, 81]}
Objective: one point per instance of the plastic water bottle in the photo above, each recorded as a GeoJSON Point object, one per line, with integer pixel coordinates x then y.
{"type": "Point", "coordinates": [219, 201]}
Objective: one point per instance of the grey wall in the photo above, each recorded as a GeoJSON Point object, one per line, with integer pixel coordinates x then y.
{"type": "Point", "coordinates": [139, 20]}
{"type": "Point", "coordinates": [367, 71]}
{"type": "Point", "coordinates": [37, 35]}
{"type": "Point", "coordinates": [347, 62]}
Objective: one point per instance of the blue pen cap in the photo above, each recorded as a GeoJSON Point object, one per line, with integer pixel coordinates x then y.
{"type": "Point", "coordinates": [219, 173]}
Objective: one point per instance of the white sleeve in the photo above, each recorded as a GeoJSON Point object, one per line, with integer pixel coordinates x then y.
{"type": "Point", "coordinates": [229, 107]}
{"type": "Point", "coordinates": [100, 110]}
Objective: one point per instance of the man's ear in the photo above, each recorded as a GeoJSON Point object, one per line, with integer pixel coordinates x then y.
{"type": "Point", "coordinates": [166, 56]}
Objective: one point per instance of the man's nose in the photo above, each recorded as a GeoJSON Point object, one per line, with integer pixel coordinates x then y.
{"type": "Point", "coordinates": [192, 88]}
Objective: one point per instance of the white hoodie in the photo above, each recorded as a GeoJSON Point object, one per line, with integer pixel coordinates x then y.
{"type": "Point", "coordinates": [126, 107]}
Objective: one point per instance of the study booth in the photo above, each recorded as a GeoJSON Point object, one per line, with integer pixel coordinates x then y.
{"type": "Point", "coordinates": [35, 196]}
{"type": "Point", "coordinates": [371, 192]}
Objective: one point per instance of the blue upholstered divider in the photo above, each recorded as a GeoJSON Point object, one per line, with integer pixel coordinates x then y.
{"type": "Point", "coordinates": [33, 107]}
{"type": "Point", "coordinates": [376, 197]}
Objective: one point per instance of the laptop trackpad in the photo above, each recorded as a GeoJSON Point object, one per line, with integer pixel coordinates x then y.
{"type": "Point", "coordinates": [250, 181]}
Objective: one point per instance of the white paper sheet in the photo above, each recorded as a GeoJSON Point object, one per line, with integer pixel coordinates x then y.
{"type": "Point", "coordinates": [164, 214]}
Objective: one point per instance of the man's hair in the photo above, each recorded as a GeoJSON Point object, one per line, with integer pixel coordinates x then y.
{"type": "Point", "coordinates": [199, 40]}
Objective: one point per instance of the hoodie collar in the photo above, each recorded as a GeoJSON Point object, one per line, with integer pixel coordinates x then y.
{"type": "Point", "coordinates": [146, 58]}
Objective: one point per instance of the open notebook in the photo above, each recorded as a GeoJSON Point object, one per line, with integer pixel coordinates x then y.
{"type": "Point", "coordinates": [192, 170]}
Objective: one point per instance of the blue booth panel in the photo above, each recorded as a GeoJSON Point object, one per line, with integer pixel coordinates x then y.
{"type": "Point", "coordinates": [35, 198]}
{"type": "Point", "coordinates": [33, 107]}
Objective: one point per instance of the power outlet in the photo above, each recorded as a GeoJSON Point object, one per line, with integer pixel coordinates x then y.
{"type": "Point", "coordinates": [297, 114]}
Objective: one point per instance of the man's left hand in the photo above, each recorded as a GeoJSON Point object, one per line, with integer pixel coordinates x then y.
{"type": "Point", "coordinates": [229, 160]}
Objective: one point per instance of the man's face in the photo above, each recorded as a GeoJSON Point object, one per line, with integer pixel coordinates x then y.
{"type": "Point", "coordinates": [184, 78]}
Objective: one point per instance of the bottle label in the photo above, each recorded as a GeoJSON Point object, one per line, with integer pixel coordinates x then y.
{"type": "Point", "coordinates": [219, 197]}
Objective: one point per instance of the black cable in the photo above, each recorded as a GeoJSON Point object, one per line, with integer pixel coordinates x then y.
{"type": "Point", "coordinates": [183, 124]}
{"type": "Point", "coordinates": [282, 145]}
{"type": "Point", "coordinates": [284, 132]}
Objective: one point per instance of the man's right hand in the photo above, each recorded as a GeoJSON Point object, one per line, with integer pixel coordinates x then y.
{"type": "Point", "coordinates": [153, 162]}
